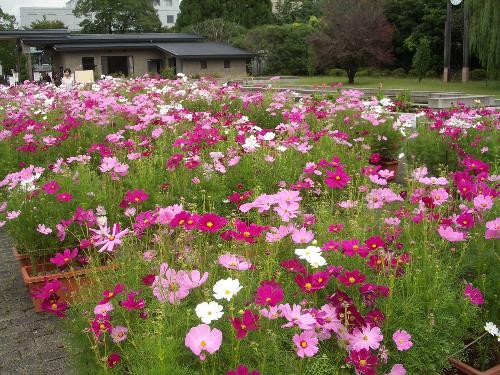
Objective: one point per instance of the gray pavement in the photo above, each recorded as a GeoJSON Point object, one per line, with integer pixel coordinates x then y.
{"type": "Point", "coordinates": [30, 343]}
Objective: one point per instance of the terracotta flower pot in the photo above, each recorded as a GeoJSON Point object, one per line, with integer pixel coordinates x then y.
{"type": "Point", "coordinates": [468, 370]}
{"type": "Point", "coordinates": [71, 280]}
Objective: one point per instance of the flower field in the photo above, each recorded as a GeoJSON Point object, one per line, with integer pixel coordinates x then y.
{"type": "Point", "coordinates": [230, 232]}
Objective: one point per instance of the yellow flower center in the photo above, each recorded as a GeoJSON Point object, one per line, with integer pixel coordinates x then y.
{"type": "Point", "coordinates": [203, 344]}
{"type": "Point", "coordinates": [308, 286]}
{"type": "Point", "coordinates": [246, 234]}
{"type": "Point", "coordinates": [54, 306]}
{"type": "Point", "coordinates": [352, 279]}
{"type": "Point", "coordinates": [362, 362]}
{"type": "Point", "coordinates": [181, 222]}
{"type": "Point", "coordinates": [303, 344]}
{"type": "Point", "coordinates": [210, 224]}
{"type": "Point", "coordinates": [111, 238]}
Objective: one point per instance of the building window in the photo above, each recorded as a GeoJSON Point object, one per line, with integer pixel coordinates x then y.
{"type": "Point", "coordinates": [227, 64]}
{"type": "Point", "coordinates": [170, 19]}
{"type": "Point", "coordinates": [88, 63]}
{"type": "Point", "coordinates": [168, 3]}
{"type": "Point", "coordinates": [203, 64]}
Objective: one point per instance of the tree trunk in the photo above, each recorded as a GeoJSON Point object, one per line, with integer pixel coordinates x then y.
{"type": "Point", "coordinates": [351, 72]}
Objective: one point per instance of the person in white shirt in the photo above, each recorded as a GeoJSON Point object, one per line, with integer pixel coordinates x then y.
{"type": "Point", "coordinates": [67, 81]}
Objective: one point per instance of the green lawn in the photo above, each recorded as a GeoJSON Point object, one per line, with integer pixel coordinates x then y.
{"type": "Point", "coordinates": [412, 84]}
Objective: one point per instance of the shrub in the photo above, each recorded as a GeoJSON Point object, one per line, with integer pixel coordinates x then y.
{"type": "Point", "coordinates": [422, 59]}
{"type": "Point", "coordinates": [478, 75]}
{"type": "Point", "coordinates": [168, 73]}
{"type": "Point", "coordinates": [412, 73]}
{"type": "Point", "coordinates": [337, 72]}
{"type": "Point", "coordinates": [398, 73]}
{"type": "Point", "coordinates": [431, 74]}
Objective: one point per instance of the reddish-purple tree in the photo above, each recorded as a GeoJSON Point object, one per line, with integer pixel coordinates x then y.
{"type": "Point", "coordinates": [353, 34]}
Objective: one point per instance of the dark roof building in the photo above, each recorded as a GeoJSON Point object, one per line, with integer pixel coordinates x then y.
{"type": "Point", "coordinates": [133, 54]}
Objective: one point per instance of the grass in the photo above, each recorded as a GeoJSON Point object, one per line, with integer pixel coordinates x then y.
{"type": "Point", "coordinates": [412, 84]}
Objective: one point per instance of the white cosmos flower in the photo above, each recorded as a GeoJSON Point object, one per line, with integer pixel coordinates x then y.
{"type": "Point", "coordinates": [226, 288]}
{"type": "Point", "coordinates": [209, 311]}
{"type": "Point", "coordinates": [308, 252]}
{"type": "Point", "coordinates": [316, 261]}
{"type": "Point", "coordinates": [492, 329]}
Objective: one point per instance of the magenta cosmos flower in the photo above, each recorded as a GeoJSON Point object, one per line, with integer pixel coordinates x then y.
{"type": "Point", "coordinates": [364, 361]}
{"type": "Point", "coordinates": [338, 179]}
{"type": "Point", "coordinates": [135, 196]}
{"type": "Point", "coordinates": [109, 294]}
{"type": "Point", "coordinates": [131, 304]}
{"type": "Point", "coordinates": [211, 223]}
{"type": "Point", "coordinates": [62, 259]}
{"type": "Point", "coordinates": [248, 322]}
{"type": "Point", "coordinates": [201, 338]}
{"type": "Point", "coordinates": [349, 278]}
{"type": "Point", "coordinates": [306, 343]}
{"type": "Point", "coordinates": [242, 370]}
{"type": "Point", "coordinates": [51, 187]}
{"type": "Point", "coordinates": [113, 359]}
{"type": "Point", "coordinates": [64, 197]}
{"type": "Point", "coordinates": [473, 294]}
{"type": "Point", "coordinates": [402, 340]}
{"type": "Point", "coordinates": [269, 293]}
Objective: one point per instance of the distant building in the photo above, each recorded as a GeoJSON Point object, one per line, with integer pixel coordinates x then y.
{"type": "Point", "coordinates": [132, 54]}
{"type": "Point", "coordinates": [167, 11]}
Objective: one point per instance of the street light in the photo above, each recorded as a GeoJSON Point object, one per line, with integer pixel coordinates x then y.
{"type": "Point", "coordinates": [447, 42]}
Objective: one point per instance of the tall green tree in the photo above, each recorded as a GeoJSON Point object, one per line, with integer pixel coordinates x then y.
{"type": "Point", "coordinates": [485, 33]}
{"type": "Point", "coordinates": [217, 30]}
{"type": "Point", "coordinates": [422, 60]}
{"type": "Point", "coordinates": [248, 13]}
{"type": "Point", "coordinates": [291, 11]}
{"type": "Point", "coordinates": [44, 23]}
{"type": "Point", "coordinates": [117, 16]}
{"type": "Point", "coordinates": [8, 55]}
{"type": "Point", "coordinates": [7, 21]}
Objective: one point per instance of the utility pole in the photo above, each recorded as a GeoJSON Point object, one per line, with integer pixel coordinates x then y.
{"type": "Point", "coordinates": [465, 67]}
{"type": "Point", "coordinates": [447, 43]}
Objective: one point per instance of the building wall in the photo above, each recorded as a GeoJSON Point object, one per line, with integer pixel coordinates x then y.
{"type": "Point", "coordinates": [214, 66]}
{"type": "Point", "coordinates": [168, 10]}
{"type": "Point", "coordinates": [73, 60]}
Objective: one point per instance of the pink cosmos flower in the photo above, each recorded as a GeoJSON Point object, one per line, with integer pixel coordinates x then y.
{"type": "Point", "coordinates": [483, 203]}
{"type": "Point", "coordinates": [211, 223]}
{"type": "Point", "coordinates": [41, 228]}
{"type": "Point", "coordinates": [51, 187]}
{"type": "Point", "coordinates": [273, 312]}
{"type": "Point", "coordinates": [64, 197]}
{"type": "Point", "coordinates": [439, 196]}
{"type": "Point", "coordinates": [11, 215]}
{"type": "Point", "coordinates": [402, 340]}
{"type": "Point", "coordinates": [119, 334]}
{"type": "Point", "coordinates": [449, 234]}
{"type": "Point", "coordinates": [168, 286]}
{"type": "Point", "coordinates": [103, 309]}
{"type": "Point", "coordinates": [397, 369]}
{"type": "Point", "coordinates": [492, 229]}
{"type": "Point", "coordinates": [295, 317]}
{"type": "Point", "coordinates": [242, 370]}
{"type": "Point", "coordinates": [201, 338]}
{"type": "Point", "coordinates": [473, 294]}
{"type": "Point", "coordinates": [234, 262]}
{"type": "Point", "coordinates": [107, 240]}
{"type": "Point", "coordinates": [306, 343]}
{"type": "Point", "coordinates": [62, 259]}
{"type": "Point", "coordinates": [366, 338]}
{"type": "Point", "coordinates": [247, 322]}
{"type": "Point", "coordinates": [191, 279]}
{"type": "Point", "coordinates": [302, 235]}
{"type": "Point", "coordinates": [269, 293]}
{"type": "Point", "coordinates": [287, 211]}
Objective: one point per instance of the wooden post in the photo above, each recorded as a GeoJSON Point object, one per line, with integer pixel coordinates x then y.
{"type": "Point", "coordinates": [465, 66]}
{"type": "Point", "coordinates": [447, 43]}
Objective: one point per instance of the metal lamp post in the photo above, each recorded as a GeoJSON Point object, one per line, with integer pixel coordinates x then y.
{"type": "Point", "coordinates": [447, 42]}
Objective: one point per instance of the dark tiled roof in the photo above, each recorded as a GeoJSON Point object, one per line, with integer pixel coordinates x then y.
{"type": "Point", "coordinates": [203, 49]}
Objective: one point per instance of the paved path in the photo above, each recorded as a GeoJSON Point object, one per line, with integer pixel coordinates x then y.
{"type": "Point", "coordinates": [29, 342]}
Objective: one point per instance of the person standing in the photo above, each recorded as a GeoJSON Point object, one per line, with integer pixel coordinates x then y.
{"type": "Point", "coordinates": [67, 80]}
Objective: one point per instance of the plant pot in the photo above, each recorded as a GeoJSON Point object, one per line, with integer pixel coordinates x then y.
{"type": "Point", "coordinates": [71, 281]}
{"type": "Point", "coordinates": [391, 165]}
{"type": "Point", "coordinates": [468, 370]}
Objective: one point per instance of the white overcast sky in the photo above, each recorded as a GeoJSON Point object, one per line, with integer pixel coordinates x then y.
{"type": "Point", "coordinates": [12, 6]}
